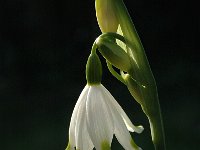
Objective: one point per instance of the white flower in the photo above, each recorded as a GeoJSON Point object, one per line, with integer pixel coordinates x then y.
{"type": "Point", "coordinates": [96, 117]}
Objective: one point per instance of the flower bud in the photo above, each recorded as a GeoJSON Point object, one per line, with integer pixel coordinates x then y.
{"type": "Point", "coordinates": [114, 53]}
{"type": "Point", "coordinates": [134, 88]}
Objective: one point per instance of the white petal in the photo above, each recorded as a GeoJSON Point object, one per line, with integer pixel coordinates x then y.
{"type": "Point", "coordinates": [72, 126]}
{"type": "Point", "coordinates": [82, 138]}
{"type": "Point", "coordinates": [99, 118]}
{"type": "Point", "coordinates": [121, 132]}
{"type": "Point", "coordinates": [88, 145]}
{"type": "Point", "coordinates": [126, 119]}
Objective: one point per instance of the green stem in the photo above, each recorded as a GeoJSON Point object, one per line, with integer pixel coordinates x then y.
{"type": "Point", "coordinates": [150, 105]}
{"type": "Point", "coordinates": [156, 124]}
{"type": "Point", "coordinates": [142, 74]}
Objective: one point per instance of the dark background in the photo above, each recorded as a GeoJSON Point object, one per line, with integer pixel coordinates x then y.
{"type": "Point", "coordinates": [44, 45]}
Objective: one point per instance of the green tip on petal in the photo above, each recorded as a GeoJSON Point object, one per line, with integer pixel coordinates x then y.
{"type": "Point", "coordinates": [68, 147]}
{"type": "Point", "coordinates": [134, 145]}
{"type": "Point", "coordinates": [105, 145]}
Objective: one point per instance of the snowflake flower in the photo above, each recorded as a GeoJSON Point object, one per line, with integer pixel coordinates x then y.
{"type": "Point", "coordinates": [96, 118]}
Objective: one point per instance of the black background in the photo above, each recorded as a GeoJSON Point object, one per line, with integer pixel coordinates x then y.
{"type": "Point", "coordinates": [44, 45]}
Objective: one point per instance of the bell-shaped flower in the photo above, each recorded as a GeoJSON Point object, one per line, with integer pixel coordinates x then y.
{"type": "Point", "coordinates": [97, 116]}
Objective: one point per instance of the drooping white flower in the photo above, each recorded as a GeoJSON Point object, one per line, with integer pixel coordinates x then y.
{"type": "Point", "coordinates": [96, 117]}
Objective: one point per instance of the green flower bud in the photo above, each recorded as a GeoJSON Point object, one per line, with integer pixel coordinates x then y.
{"type": "Point", "coordinates": [114, 53]}
{"type": "Point", "coordinates": [133, 87]}
{"type": "Point", "coordinates": [93, 69]}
